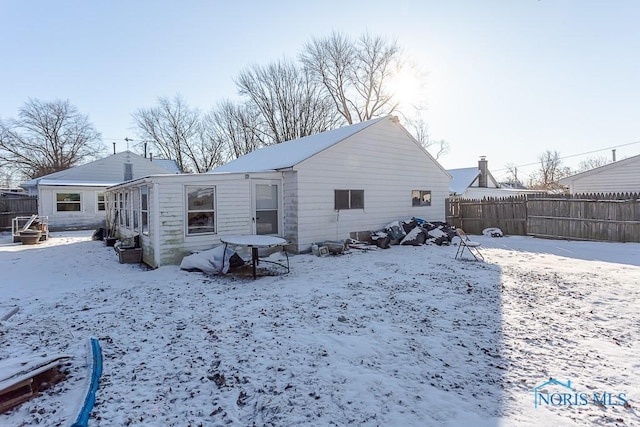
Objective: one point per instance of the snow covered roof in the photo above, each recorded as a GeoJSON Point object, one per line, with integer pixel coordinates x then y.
{"type": "Point", "coordinates": [290, 153]}
{"type": "Point", "coordinates": [462, 179]}
{"type": "Point", "coordinates": [105, 172]}
{"type": "Point", "coordinates": [170, 165]}
{"type": "Point", "coordinates": [79, 183]}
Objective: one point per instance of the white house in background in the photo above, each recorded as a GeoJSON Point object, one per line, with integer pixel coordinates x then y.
{"type": "Point", "coordinates": [622, 176]}
{"type": "Point", "coordinates": [321, 187]}
{"type": "Point", "coordinates": [74, 198]}
{"type": "Point", "coordinates": [477, 183]}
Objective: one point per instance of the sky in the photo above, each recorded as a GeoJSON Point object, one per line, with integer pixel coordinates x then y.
{"type": "Point", "coordinates": [504, 79]}
{"type": "Point", "coordinates": [405, 336]}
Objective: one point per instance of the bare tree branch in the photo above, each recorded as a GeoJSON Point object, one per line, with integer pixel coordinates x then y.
{"type": "Point", "coordinates": [290, 105]}
{"type": "Point", "coordinates": [592, 163]}
{"type": "Point", "coordinates": [551, 170]}
{"type": "Point", "coordinates": [48, 137]}
{"type": "Point", "coordinates": [420, 131]}
{"type": "Point", "coordinates": [354, 75]}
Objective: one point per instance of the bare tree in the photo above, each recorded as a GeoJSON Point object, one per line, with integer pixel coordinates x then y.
{"type": "Point", "coordinates": [178, 132]}
{"type": "Point", "coordinates": [420, 131]}
{"type": "Point", "coordinates": [289, 104]}
{"type": "Point", "coordinates": [47, 137]}
{"type": "Point", "coordinates": [6, 176]}
{"type": "Point", "coordinates": [355, 75]}
{"type": "Point", "coordinates": [512, 174]}
{"type": "Point", "coordinates": [235, 128]}
{"type": "Point", "coordinates": [551, 170]}
{"type": "Point", "coordinates": [592, 163]}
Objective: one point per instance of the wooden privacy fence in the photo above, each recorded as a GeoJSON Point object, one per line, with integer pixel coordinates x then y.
{"type": "Point", "coordinates": [11, 207]}
{"type": "Point", "coordinates": [607, 217]}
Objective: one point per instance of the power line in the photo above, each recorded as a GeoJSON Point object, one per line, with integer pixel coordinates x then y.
{"type": "Point", "coordinates": [573, 155]}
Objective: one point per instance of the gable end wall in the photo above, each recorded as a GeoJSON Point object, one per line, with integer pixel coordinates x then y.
{"type": "Point", "coordinates": [381, 160]}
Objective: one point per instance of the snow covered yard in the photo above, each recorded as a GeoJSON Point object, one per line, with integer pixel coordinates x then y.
{"type": "Point", "coordinates": [403, 336]}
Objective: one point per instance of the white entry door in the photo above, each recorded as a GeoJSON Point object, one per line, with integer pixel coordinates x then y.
{"type": "Point", "coordinates": [266, 207]}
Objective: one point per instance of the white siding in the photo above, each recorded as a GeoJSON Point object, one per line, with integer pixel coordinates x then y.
{"type": "Point", "coordinates": [89, 217]}
{"type": "Point", "coordinates": [290, 207]}
{"type": "Point", "coordinates": [232, 215]}
{"type": "Point", "coordinates": [167, 213]}
{"type": "Point", "coordinates": [382, 160]}
{"type": "Point", "coordinates": [624, 177]}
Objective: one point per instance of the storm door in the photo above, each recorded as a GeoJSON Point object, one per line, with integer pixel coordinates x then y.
{"type": "Point", "coordinates": [266, 207]}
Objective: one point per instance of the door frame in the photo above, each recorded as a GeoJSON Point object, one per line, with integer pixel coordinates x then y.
{"type": "Point", "coordinates": [264, 181]}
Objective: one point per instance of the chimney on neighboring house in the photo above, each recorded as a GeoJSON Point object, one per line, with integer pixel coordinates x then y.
{"type": "Point", "coordinates": [613, 154]}
{"type": "Point", "coordinates": [484, 172]}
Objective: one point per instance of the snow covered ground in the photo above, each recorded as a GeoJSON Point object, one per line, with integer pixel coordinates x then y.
{"type": "Point", "coordinates": [403, 336]}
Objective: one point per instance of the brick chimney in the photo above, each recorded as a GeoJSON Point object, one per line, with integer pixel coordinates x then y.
{"type": "Point", "coordinates": [484, 172]}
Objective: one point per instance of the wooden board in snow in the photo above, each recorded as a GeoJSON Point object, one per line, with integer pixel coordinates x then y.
{"type": "Point", "coordinates": [22, 378]}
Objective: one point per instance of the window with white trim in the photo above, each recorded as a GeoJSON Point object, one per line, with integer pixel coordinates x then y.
{"type": "Point", "coordinates": [120, 208]}
{"type": "Point", "coordinates": [420, 198]}
{"type": "Point", "coordinates": [348, 199]}
{"type": "Point", "coordinates": [200, 210]}
{"type": "Point", "coordinates": [127, 210]}
{"type": "Point", "coordinates": [144, 209]}
{"type": "Point", "coordinates": [135, 206]}
{"type": "Point", "coordinates": [68, 202]}
{"type": "Point", "coordinates": [101, 202]}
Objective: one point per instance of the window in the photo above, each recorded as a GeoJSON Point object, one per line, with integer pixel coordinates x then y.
{"type": "Point", "coordinates": [200, 210]}
{"type": "Point", "coordinates": [128, 171]}
{"type": "Point", "coordinates": [349, 199]}
{"type": "Point", "coordinates": [144, 209]}
{"type": "Point", "coordinates": [127, 210]}
{"type": "Point", "coordinates": [101, 202]}
{"type": "Point", "coordinates": [136, 209]}
{"type": "Point", "coordinates": [266, 208]}
{"type": "Point", "coordinates": [420, 198]}
{"type": "Point", "coordinates": [120, 208]}
{"type": "Point", "coordinates": [68, 202]}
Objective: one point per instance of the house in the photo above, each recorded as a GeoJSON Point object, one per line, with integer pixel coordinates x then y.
{"type": "Point", "coordinates": [320, 187]}
{"type": "Point", "coordinates": [622, 176]}
{"type": "Point", "coordinates": [74, 198]}
{"type": "Point", "coordinates": [478, 183]}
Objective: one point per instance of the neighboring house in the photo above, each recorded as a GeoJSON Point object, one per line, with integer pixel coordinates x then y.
{"type": "Point", "coordinates": [622, 176]}
{"type": "Point", "coordinates": [478, 183]}
{"type": "Point", "coordinates": [13, 192]}
{"type": "Point", "coordinates": [74, 198]}
{"type": "Point", "coordinates": [321, 187]}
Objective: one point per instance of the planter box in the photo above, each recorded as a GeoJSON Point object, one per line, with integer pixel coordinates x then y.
{"type": "Point", "coordinates": [130, 255]}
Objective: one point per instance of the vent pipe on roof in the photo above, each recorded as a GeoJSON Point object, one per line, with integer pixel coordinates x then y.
{"type": "Point", "coordinates": [613, 154]}
{"type": "Point", "coordinates": [482, 165]}
{"type": "Point", "coordinates": [114, 148]}
{"type": "Point", "coordinates": [145, 150]}
{"type": "Point", "coordinates": [151, 157]}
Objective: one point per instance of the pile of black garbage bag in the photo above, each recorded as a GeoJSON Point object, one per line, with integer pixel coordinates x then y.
{"type": "Point", "coordinates": [414, 232]}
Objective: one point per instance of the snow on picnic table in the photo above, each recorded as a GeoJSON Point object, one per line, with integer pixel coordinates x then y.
{"type": "Point", "coordinates": [402, 336]}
